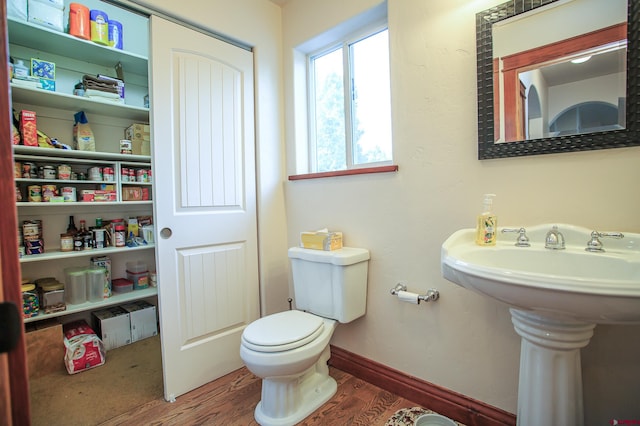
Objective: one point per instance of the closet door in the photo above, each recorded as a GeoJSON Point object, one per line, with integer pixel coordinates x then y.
{"type": "Point", "coordinates": [205, 202]}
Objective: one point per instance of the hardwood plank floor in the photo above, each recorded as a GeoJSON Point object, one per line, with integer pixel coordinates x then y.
{"type": "Point", "coordinates": [231, 400]}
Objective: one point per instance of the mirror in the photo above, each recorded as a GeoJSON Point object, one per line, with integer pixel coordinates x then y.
{"type": "Point", "coordinates": [533, 100]}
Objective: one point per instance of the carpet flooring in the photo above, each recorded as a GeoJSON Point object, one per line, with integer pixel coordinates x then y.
{"type": "Point", "coordinates": [60, 398]}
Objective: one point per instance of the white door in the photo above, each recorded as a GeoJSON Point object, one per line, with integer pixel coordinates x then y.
{"type": "Point", "coordinates": [205, 202]}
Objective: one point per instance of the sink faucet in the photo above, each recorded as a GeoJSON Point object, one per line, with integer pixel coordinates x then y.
{"type": "Point", "coordinates": [594, 244]}
{"type": "Point", "coordinates": [554, 239]}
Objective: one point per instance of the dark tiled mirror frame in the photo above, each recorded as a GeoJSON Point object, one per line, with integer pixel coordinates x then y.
{"type": "Point", "coordinates": [487, 149]}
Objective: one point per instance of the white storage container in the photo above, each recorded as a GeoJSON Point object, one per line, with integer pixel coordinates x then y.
{"type": "Point", "coordinates": [47, 14]}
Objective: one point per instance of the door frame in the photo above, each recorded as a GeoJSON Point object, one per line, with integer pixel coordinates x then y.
{"type": "Point", "coordinates": [14, 385]}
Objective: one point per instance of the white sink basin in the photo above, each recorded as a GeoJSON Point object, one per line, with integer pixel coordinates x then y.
{"type": "Point", "coordinates": [556, 297]}
{"type": "Point", "coordinates": [571, 283]}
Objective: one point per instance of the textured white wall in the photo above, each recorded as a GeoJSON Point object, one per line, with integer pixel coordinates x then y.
{"type": "Point", "coordinates": [464, 342]}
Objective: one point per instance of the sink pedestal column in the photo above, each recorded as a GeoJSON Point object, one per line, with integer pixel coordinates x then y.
{"type": "Point", "coordinates": [550, 384]}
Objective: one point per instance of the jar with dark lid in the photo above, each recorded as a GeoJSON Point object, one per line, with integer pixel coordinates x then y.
{"type": "Point", "coordinates": [30, 303]}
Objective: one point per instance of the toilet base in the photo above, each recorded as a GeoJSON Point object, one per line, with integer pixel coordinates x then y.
{"type": "Point", "coordinates": [288, 400]}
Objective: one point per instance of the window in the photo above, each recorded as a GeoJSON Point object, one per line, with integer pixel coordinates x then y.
{"type": "Point", "coordinates": [350, 103]}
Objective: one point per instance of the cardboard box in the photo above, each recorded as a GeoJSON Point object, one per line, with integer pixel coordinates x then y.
{"type": "Point", "coordinates": [28, 128]}
{"type": "Point", "coordinates": [144, 322]}
{"type": "Point", "coordinates": [43, 69]}
{"type": "Point", "coordinates": [321, 240]}
{"type": "Point", "coordinates": [139, 147]}
{"type": "Point", "coordinates": [45, 347]}
{"type": "Point", "coordinates": [140, 137]}
{"type": "Point", "coordinates": [47, 14]}
{"type": "Point", "coordinates": [113, 327]}
{"type": "Point", "coordinates": [132, 193]}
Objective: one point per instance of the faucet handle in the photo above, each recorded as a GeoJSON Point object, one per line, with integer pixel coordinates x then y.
{"type": "Point", "coordinates": [523, 240]}
{"type": "Point", "coordinates": [595, 245]}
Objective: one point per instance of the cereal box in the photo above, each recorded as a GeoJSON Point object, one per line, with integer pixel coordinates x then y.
{"type": "Point", "coordinates": [28, 128]}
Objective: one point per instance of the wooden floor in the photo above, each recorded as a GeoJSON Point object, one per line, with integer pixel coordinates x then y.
{"type": "Point", "coordinates": [231, 400]}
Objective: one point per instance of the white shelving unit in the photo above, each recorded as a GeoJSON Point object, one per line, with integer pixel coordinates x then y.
{"type": "Point", "coordinates": [74, 58]}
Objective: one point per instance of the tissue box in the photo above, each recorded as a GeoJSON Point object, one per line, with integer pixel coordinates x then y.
{"type": "Point", "coordinates": [43, 69]}
{"type": "Point", "coordinates": [321, 240]}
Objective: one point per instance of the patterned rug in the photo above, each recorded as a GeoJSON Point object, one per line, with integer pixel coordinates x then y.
{"type": "Point", "coordinates": [408, 416]}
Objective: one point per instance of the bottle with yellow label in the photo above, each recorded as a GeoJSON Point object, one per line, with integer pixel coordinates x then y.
{"type": "Point", "coordinates": [487, 223]}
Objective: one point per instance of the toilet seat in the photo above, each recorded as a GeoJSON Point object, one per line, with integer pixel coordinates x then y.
{"type": "Point", "coordinates": [282, 331]}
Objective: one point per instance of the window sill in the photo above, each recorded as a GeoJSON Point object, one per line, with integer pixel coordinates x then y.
{"type": "Point", "coordinates": [362, 171]}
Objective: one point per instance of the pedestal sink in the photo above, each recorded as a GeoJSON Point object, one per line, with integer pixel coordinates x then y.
{"type": "Point", "coordinates": [556, 298]}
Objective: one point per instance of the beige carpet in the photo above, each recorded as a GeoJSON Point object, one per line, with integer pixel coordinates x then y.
{"type": "Point", "coordinates": [131, 376]}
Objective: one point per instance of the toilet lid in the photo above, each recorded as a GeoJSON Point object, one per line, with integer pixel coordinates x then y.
{"type": "Point", "coordinates": [282, 331]}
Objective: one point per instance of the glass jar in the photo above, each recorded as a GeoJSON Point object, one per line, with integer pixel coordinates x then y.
{"type": "Point", "coordinates": [30, 303]}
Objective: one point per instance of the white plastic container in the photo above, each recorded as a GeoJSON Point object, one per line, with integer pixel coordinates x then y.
{"type": "Point", "coordinates": [95, 284]}
{"type": "Point", "coordinates": [75, 285]}
{"type": "Point", "coordinates": [138, 273]}
{"type": "Point", "coordinates": [46, 13]}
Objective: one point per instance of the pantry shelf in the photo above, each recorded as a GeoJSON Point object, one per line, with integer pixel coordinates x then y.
{"type": "Point", "coordinates": [81, 203]}
{"type": "Point", "coordinates": [47, 98]}
{"type": "Point", "coordinates": [88, 155]}
{"type": "Point", "coordinates": [57, 254]}
{"type": "Point", "coordinates": [27, 34]}
{"type": "Point", "coordinates": [116, 299]}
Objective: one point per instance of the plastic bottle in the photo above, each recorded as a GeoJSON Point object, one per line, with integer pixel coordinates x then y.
{"type": "Point", "coordinates": [487, 226]}
{"type": "Point", "coordinates": [20, 69]}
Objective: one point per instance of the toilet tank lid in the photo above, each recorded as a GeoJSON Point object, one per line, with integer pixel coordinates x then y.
{"type": "Point", "coordinates": [343, 256]}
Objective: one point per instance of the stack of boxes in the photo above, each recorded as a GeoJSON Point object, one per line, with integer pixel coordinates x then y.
{"type": "Point", "coordinates": [121, 325]}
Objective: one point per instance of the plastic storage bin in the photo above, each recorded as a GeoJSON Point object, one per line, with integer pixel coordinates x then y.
{"type": "Point", "coordinates": [75, 285]}
{"type": "Point", "coordinates": [138, 273]}
{"type": "Point", "coordinates": [96, 278]}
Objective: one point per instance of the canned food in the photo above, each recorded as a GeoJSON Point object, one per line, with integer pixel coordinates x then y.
{"type": "Point", "coordinates": [35, 193]}
{"type": "Point", "coordinates": [48, 172]}
{"type": "Point", "coordinates": [141, 175]}
{"type": "Point", "coordinates": [69, 194]}
{"type": "Point", "coordinates": [18, 194]}
{"type": "Point", "coordinates": [108, 174]}
{"type": "Point", "coordinates": [29, 170]}
{"type": "Point", "coordinates": [64, 172]}
{"type": "Point", "coordinates": [49, 191]}
{"type": "Point", "coordinates": [124, 174]}
{"type": "Point", "coordinates": [95, 173]}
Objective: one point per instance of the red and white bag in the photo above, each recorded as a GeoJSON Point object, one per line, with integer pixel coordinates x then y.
{"type": "Point", "coordinates": [84, 349]}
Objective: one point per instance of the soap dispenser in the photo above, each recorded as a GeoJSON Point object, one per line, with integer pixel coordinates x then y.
{"type": "Point", "coordinates": [487, 223]}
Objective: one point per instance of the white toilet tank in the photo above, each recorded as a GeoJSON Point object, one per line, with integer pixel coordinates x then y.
{"type": "Point", "coordinates": [331, 284]}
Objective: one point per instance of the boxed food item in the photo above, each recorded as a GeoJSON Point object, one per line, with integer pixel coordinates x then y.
{"type": "Point", "coordinates": [104, 262]}
{"type": "Point", "coordinates": [140, 137]}
{"type": "Point", "coordinates": [321, 240]}
{"type": "Point", "coordinates": [46, 13]}
{"type": "Point", "coordinates": [28, 128]}
{"type": "Point", "coordinates": [43, 69]}
{"type": "Point", "coordinates": [83, 348]}
{"type": "Point", "coordinates": [113, 326]}
{"type": "Point", "coordinates": [132, 193]}
{"type": "Point", "coordinates": [144, 322]}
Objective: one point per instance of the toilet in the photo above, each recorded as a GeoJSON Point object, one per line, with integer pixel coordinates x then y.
{"type": "Point", "coordinates": [289, 350]}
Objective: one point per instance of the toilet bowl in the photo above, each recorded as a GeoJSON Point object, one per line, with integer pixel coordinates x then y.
{"type": "Point", "coordinates": [289, 352]}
